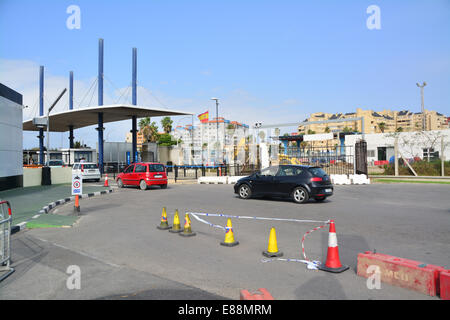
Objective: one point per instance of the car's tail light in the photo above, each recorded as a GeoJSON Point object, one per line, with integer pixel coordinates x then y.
{"type": "Point", "coordinates": [82, 169]}
{"type": "Point", "coordinates": [316, 179]}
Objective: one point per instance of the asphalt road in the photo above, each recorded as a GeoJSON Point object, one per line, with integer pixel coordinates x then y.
{"type": "Point", "coordinates": [123, 255]}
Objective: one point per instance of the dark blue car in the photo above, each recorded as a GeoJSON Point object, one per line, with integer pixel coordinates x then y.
{"type": "Point", "coordinates": [300, 183]}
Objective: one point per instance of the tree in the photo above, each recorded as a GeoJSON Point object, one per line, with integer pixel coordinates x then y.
{"type": "Point", "coordinates": [166, 123]}
{"type": "Point", "coordinates": [311, 131]}
{"type": "Point", "coordinates": [347, 130]}
{"type": "Point", "coordinates": [382, 126]}
{"type": "Point", "coordinates": [327, 129]}
{"type": "Point", "coordinates": [166, 139]}
{"type": "Point", "coordinates": [149, 130]}
{"type": "Point", "coordinates": [399, 129]}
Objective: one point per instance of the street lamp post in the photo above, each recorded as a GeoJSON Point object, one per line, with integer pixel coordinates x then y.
{"type": "Point", "coordinates": [423, 107]}
{"type": "Point", "coordinates": [217, 123]}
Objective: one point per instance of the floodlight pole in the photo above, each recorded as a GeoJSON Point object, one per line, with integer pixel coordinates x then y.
{"type": "Point", "coordinates": [41, 113]}
{"type": "Point", "coordinates": [134, 102]}
{"type": "Point", "coordinates": [424, 124]}
{"type": "Point", "coordinates": [48, 123]}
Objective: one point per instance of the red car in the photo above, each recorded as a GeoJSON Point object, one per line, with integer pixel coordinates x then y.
{"type": "Point", "coordinates": [143, 174]}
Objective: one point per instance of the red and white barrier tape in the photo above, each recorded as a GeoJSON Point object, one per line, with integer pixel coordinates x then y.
{"type": "Point", "coordinates": [310, 264]}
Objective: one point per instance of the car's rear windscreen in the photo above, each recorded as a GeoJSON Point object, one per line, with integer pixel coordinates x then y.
{"type": "Point", "coordinates": [318, 172]}
{"type": "Point", "coordinates": [90, 166]}
{"type": "Point", "coordinates": [156, 168]}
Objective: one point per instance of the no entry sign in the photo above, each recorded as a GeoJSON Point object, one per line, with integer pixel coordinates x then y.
{"type": "Point", "coordinates": [77, 184]}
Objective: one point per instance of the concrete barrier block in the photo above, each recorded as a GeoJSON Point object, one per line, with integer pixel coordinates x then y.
{"type": "Point", "coordinates": [262, 294]}
{"type": "Point", "coordinates": [222, 180]}
{"type": "Point", "coordinates": [340, 179]}
{"type": "Point", "coordinates": [409, 274]}
{"type": "Point", "coordinates": [234, 179]}
{"type": "Point", "coordinates": [213, 180]}
{"type": "Point", "coordinates": [444, 283]}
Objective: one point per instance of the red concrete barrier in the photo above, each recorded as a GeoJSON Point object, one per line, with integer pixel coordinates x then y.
{"type": "Point", "coordinates": [263, 294]}
{"type": "Point", "coordinates": [445, 285]}
{"type": "Point", "coordinates": [409, 274]}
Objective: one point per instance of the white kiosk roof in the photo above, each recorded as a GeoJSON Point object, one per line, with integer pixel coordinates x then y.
{"type": "Point", "coordinates": [84, 117]}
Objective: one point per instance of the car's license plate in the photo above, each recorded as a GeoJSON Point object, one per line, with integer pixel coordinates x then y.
{"type": "Point", "coordinates": [328, 190]}
{"type": "Point", "coordinates": [91, 170]}
{"type": "Point", "coordinates": [158, 176]}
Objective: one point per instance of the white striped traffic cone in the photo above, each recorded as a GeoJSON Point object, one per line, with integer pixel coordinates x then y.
{"type": "Point", "coordinates": [333, 263]}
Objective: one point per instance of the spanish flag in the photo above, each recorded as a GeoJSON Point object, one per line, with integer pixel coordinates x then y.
{"type": "Point", "coordinates": [204, 117]}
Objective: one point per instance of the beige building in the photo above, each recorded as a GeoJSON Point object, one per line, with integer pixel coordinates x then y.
{"type": "Point", "coordinates": [139, 139]}
{"type": "Point", "coordinates": [376, 121]}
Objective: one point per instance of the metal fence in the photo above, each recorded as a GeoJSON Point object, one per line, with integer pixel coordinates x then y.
{"type": "Point", "coordinates": [194, 172]}
{"type": "Point", "coordinates": [337, 160]}
{"type": "Point", "coordinates": [5, 239]}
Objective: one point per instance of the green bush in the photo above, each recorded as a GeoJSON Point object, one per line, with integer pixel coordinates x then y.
{"type": "Point", "coordinates": [422, 168]}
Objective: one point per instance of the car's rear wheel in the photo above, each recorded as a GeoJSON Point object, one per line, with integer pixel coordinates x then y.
{"type": "Point", "coordinates": [244, 192]}
{"type": "Point", "coordinates": [300, 195]}
{"type": "Point", "coordinates": [143, 185]}
{"type": "Point", "coordinates": [120, 183]}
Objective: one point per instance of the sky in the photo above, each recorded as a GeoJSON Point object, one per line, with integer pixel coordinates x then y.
{"type": "Point", "coordinates": [267, 61]}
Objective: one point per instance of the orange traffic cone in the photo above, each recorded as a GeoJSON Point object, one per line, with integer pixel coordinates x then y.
{"type": "Point", "coordinates": [333, 263]}
{"type": "Point", "coordinates": [106, 181]}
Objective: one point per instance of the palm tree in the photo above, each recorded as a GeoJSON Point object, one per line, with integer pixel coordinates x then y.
{"type": "Point", "coordinates": [144, 122]}
{"type": "Point", "coordinates": [327, 129]}
{"type": "Point", "coordinates": [149, 129]}
{"type": "Point", "coordinates": [166, 123]}
{"type": "Point", "coordinates": [382, 126]}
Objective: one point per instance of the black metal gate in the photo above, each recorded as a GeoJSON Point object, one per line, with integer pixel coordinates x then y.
{"type": "Point", "coordinates": [361, 157]}
{"type": "Point", "coordinates": [334, 160]}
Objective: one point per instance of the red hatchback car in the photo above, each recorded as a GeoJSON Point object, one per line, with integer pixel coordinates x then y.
{"type": "Point", "coordinates": [143, 174]}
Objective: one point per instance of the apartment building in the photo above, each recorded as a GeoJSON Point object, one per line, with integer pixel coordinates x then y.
{"type": "Point", "coordinates": [376, 121]}
{"type": "Point", "coordinates": [139, 139]}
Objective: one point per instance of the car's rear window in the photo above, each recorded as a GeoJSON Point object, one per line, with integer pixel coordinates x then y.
{"type": "Point", "coordinates": [156, 167]}
{"type": "Point", "coordinates": [318, 172]}
{"type": "Point", "coordinates": [90, 166]}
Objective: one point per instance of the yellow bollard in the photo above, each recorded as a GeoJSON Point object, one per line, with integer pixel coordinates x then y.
{"type": "Point", "coordinates": [164, 224]}
{"type": "Point", "coordinates": [229, 236]}
{"type": "Point", "coordinates": [176, 227]}
{"type": "Point", "coordinates": [187, 232]}
{"type": "Point", "coordinates": [272, 248]}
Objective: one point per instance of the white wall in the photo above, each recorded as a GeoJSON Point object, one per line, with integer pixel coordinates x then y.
{"type": "Point", "coordinates": [410, 144]}
{"type": "Point", "coordinates": [33, 176]}
{"type": "Point", "coordinates": [11, 136]}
